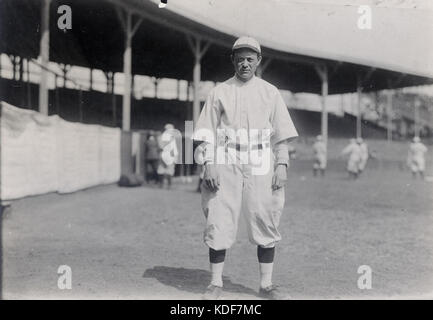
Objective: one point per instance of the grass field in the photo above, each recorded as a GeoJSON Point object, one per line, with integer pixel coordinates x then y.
{"type": "Point", "coordinates": [146, 243]}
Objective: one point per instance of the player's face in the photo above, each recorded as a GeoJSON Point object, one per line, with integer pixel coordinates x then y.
{"type": "Point", "coordinates": [245, 62]}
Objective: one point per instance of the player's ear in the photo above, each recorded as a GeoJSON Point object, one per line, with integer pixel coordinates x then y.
{"type": "Point", "coordinates": [259, 58]}
{"type": "Point", "coordinates": [232, 58]}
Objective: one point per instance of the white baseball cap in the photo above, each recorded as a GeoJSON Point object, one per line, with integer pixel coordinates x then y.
{"type": "Point", "coordinates": [247, 42]}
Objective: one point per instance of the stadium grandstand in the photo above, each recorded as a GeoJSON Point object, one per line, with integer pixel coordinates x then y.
{"type": "Point", "coordinates": [131, 66]}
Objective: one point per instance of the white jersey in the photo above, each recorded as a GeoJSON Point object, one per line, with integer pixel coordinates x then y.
{"type": "Point", "coordinates": [417, 150]}
{"type": "Point", "coordinates": [415, 158]}
{"type": "Point", "coordinates": [354, 152]}
{"type": "Point", "coordinates": [255, 106]}
{"type": "Point", "coordinates": [319, 149]}
{"type": "Point", "coordinates": [364, 151]}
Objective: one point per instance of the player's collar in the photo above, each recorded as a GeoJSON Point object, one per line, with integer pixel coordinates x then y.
{"type": "Point", "coordinates": [242, 83]}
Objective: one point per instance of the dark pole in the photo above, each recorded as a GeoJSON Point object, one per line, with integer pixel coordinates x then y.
{"type": "Point", "coordinates": [80, 104]}
{"type": "Point", "coordinates": [65, 70]}
{"type": "Point", "coordinates": [14, 69]}
{"type": "Point", "coordinates": [389, 94]}
{"type": "Point", "coordinates": [44, 53]}
{"type": "Point", "coordinates": [113, 102]}
{"type": "Point", "coordinates": [107, 76]}
{"type": "Point", "coordinates": [21, 65]}
{"type": "Point", "coordinates": [56, 88]}
{"type": "Point", "coordinates": [12, 59]}
{"type": "Point", "coordinates": [416, 117]}
{"type": "Point", "coordinates": [187, 90]}
{"type": "Point", "coordinates": [178, 89]}
{"type": "Point", "coordinates": [358, 107]}
{"type": "Point", "coordinates": [1, 249]}
{"type": "Point", "coordinates": [1, 224]}
{"type": "Point", "coordinates": [29, 93]}
{"type": "Point", "coordinates": [91, 79]}
{"type": "Point", "coordinates": [22, 87]}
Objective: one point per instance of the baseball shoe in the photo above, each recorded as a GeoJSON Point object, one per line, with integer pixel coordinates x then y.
{"type": "Point", "coordinates": [212, 292]}
{"type": "Point", "coordinates": [274, 292]}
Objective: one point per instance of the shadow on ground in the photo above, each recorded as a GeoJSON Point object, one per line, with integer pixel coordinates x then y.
{"type": "Point", "coordinates": [191, 280]}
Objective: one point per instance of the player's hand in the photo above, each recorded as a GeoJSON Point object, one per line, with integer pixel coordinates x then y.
{"type": "Point", "coordinates": [211, 177]}
{"type": "Point", "coordinates": [280, 177]}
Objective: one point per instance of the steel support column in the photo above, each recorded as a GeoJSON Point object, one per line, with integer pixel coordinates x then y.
{"type": "Point", "coordinates": [389, 115]}
{"type": "Point", "coordinates": [44, 54]}
{"type": "Point", "coordinates": [416, 117]}
{"type": "Point", "coordinates": [198, 52]}
{"type": "Point", "coordinates": [322, 72]}
{"type": "Point", "coordinates": [129, 30]}
{"type": "Point", "coordinates": [358, 107]}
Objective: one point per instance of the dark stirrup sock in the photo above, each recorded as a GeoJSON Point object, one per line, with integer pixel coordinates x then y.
{"type": "Point", "coordinates": [265, 255]}
{"type": "Point", "coordinates": [217, 256]}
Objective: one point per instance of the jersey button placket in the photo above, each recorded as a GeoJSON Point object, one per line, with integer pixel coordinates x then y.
{"type": "Point", "coordinates": [244, 117]}
{"type": "Point", "coordinates": [242, 124]}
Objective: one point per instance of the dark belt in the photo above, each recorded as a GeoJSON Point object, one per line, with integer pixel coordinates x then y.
{"type": "Point", "coordinates": [243, 147]}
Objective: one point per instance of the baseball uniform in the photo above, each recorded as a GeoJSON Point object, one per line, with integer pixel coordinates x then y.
{"type": "Point", "coordinates": [416, 158]}
{"type": "Point", "coordinates": [249, 107]}
{"type": "Point", "coordinates": [152, 158]}
{"type": "Point", "coordinates": [363, 156]}
{"type": "Point", "coordinates": [319, 150]}
{"type": "Point", "coordinates": [354, 152]}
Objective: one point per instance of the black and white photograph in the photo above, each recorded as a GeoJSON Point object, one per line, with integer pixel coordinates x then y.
{"type": "Point", "coordinates": [216, 150]}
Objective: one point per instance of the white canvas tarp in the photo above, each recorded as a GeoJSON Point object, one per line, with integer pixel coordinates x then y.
{"type": "Point", "coordinates": [41, 154]}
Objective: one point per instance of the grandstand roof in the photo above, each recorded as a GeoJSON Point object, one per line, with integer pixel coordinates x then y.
{"type": "Point", "coordinates": [327, 29]}
{"type": "Point", "coordinates": [297, 36]}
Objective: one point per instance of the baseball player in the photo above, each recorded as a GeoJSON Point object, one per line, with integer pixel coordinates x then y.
{"type": "Point", "coordinates": [354, 152]}
{"type": "Point", "coordinates": [415, 157]}
{"type": "Point", "coordinates": [364, 154]}
{"type": "Point", "coordinates": [319, 150]}
{"type": "Point", "coordinates": [242, 117]}
{"type": "Point", "coordinates": [169, 153]}
{"type": "Point", "coordinates": [152, 158]}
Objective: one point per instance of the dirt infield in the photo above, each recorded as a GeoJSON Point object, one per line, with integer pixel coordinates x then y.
{"type": "Point", "coordinates": [146, 243]}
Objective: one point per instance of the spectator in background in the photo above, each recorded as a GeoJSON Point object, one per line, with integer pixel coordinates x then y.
{"type": "Point", "coordinates": [354, 152]}
{"type": "Point", "coordinates": [169, 154]}
{"type": "Point", "coordinates": [415, 157]}
{"type": "Point", "coordinates": [364, 154]}
{"type": "Point", "coordinates": [152, 158]}
{"type": "Point", "coordinates": [319, 150]}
